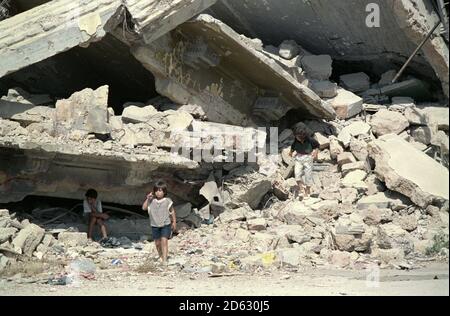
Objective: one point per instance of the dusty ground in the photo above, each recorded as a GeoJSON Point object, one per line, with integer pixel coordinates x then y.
{"type": "Point", "coordinates": [432, 280]}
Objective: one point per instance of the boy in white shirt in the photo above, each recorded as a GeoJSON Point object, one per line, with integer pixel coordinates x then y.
{"type": "Point", "coordinates": [93, 213]}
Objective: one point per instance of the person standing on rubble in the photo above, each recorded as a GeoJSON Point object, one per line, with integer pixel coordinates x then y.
{"type": "Point", "coordinates": [93, 213]}
{"type": "Point", "coordinates": [162, 218]}
{"type": "Point", "coordinates": [304, 150]}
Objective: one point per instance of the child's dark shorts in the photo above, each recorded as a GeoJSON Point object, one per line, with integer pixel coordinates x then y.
{"type": "Point", "coordinates": [159, 232]}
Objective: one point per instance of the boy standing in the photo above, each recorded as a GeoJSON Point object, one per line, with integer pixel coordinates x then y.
{"type": "Point", "coordinates": [304, 150]}
{"type": "Point", "coordinates": [162, 218]}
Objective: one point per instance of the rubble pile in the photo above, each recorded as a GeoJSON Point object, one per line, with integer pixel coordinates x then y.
{"type": "Point", "coordinates": [380, 192]}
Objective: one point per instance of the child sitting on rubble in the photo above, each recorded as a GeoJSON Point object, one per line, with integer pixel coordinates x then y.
{"type": "Point", "coordinates": [304, 150]}
{"type": "Point", "coordinates": [162, 218]}
{"type": "Point", "coordinates": [93, 213]}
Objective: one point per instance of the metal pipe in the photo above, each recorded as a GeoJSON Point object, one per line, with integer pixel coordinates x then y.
{"type": "Point", "coordinates": [415, 52]}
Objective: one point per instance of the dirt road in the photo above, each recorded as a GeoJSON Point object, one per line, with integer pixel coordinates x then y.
{"type": "Point", "coordinates": [432, 280]}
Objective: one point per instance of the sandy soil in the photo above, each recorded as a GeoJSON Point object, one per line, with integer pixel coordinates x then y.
{"type": "Point", "coordinates": [432, 280]}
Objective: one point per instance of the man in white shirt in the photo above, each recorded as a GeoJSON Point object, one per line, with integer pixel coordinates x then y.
{"type": "Point", "coordinates": [93, 213]}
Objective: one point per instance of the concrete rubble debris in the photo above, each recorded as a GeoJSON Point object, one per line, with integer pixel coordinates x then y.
{"type": "Point", "coordinates": [317, 66]}
{"type": "Point", "coordinates": [357, 82]}
{"type": "Point", "coordinates": [134, 114]}
{"type": "Point", "coordinates": [28, 239]}
{"type": "Point", "coordinates": [85, 111]}
{"type": "Point", "coordinates": [325, 88]}
{"type": "Point", "coordinates": [387, 122]}
{"type": "Point", "coordinates": [409, 171]}
{"type": "Point", "coordinates": [346, 104]}
{"type": "Point", "coordinates": [288, 49]}
{"type": "Point", "coordinates": [73, 239]}
{"type": "Point", "coordinates": [380, 182]}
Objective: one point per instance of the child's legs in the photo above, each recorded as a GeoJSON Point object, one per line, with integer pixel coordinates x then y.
{"type": "Point", "coordinates": [308, 175]}
{"type": "Point", "coordinates": [156, 235]}
{"type": "Point", "coordinates": [158, 247]}
{"type": "Point", "coordinates": [92, 221]}
{"type": "Point", "coordinates": [298, 173]}
{"type": "Point", "coordinates": [165, 248]}
{"type": "Point", "coordinates": [101, 223]}
{"type": "Point", "coordinates": [165, 235]}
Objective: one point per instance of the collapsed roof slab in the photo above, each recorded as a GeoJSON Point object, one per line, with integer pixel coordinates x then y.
{"type": "Point", "coordinates": [60, 25]}
{"type": "Point", "coordinates": [152, 24]}
{"type": "Point", "coordinates": [66, 170]}
{"type": "Point", "coordinates": [339, 28]}
{"type": "Point", "coordinates": [205, 62]}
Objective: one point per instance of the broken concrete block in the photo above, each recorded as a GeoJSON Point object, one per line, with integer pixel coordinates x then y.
{"type": "Point", "coordinates": [179, 121]}
{"type": "Point", "coordinates": [4, 262]}
{"type": "Point", "coordinates": [413, 88]}
{"type": "Point", "coordinates": [440, 139]}
{"type": "Point", "coordinates": [19, 95]}
{"type": "Point", "coordinates": [387, 122]}
{"type": "Point", "coordinates": [47, 241]}
{"type": "Point", "coordinates": [407, 222]}
{"type": "Point", "coordinates": [346, 104]}
{"type": "Point", "coordinates": [253, 194]}
{"type": "Point", "coordinates": [422, 134]}
{"type": "Point", "coordinates": [405, 102]}
{"type": "Point", "coordinates": [325, 205]}
{"type": "Point", "coordinates": [335, 148]}
{"type": "Point", "coordinates": [382, 200]}
{"type": "Point", "coordinates": [387, 256]}
{"type": "Point", "coordinates": [271, 109]}
{"type": "Point", "coordinates": [239, 214]}
{"type": "Point", "coordinates": [340, 259]}
{"type": "Point", "coordinates": [356, 82]}
{"type": "Point", "coordinates": [358, 128]}
{"type": "Point", "coordinates": [406, 170]}
{"type": "Point", "coordinates": [391, 236]}
{"type": "Point", "coordinates": [323, 141]}
{"type": "Point", "coordinates": [324, 89]}
{"type": "Point", "coordinates": [28, 239]}
{"type": "Point", "coordinates": [374, 215]}
{"type": "Point", "coordinates": [359, 149]}
{"type": "Point", "coordinates": [415, 116]}
{"type": "Point", "coordinates": [355, 179]}
{"type": "Point", "coordinates": [290, 257]}
{"type": "Point", "coordinates": [348, 195]}
{"type": "Point", "coordinates": [345, 137]}
{"type": "Point", "coordinates": [288, 49]}
{"type": "Point", "coordinates": [295, 213]}
{"type": "Point", "coordinates": [437, 117]}
{"type": "Point", "coordinates": [349, 242]}
{"type": "Point", "coordinates": [73, 239]}
{"type": "Point", "coordinates": [37, 114]}
{"type": "Point", "coordinates": [324, 156]}
{"type": "Point", "coordinates": [317, 66]}
{"type": "Point", "coordinates": [387, 77]}
{"type": "Point", "coordinates": [345, 158]}
{"type": "Point", "coordinates": [256, 224]}
{"type": "Point", "coordinates": [7, 233]}
{"type": "Point", "coordinates": [348, 167]}
{"type": "Point", "coordinates": [85, 110]}
{"type": "Point", "coordinates": [138, 104]}
{"type": "Point", "coordinates": [134, 114]}
{"type": "Point", "coordinates": [4, 213]}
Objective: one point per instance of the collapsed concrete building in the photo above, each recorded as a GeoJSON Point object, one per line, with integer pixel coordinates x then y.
{"type": "Point", "coordinates": [163, 54]}
{"type": "Point", "coordinates": [205, 95]}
